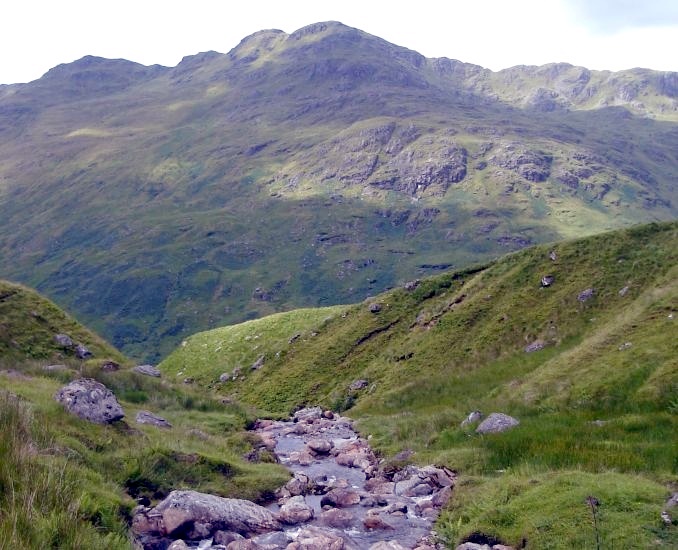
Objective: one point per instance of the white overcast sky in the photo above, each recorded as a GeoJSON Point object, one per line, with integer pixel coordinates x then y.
{"type": "Point", "coordinates": [36, 35]}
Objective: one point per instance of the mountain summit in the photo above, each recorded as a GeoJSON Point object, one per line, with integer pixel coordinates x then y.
{"type": "Point", "coordinates": [309, 168]}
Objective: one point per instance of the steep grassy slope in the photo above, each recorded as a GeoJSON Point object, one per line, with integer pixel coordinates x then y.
{"type": "Point", "coordinates": [307, 170]}
{"type": "Point", "coordinates": [236, 349]}
{"type": "Point", "coordinates": [597, 402]}
{"type": "Point", "coordinates": [29, 322]}
{"type": "Point", "coordinates": [67, 483]}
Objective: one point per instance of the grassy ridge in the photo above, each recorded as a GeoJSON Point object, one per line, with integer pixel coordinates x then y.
{"type": "Point", "coordinates": [597, 403]}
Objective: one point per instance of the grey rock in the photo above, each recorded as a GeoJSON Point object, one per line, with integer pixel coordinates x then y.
{"type": "Point", "coordinates": [244, 544]}
{"type": "Point", "coordinates": [473, 418]}
{"type": "Point", "coordinates": [226, 537]}
{"type": "Point", "coordinates": [294, 338]}
{"type": "Point", "coordinates": [259, 362]}
{"type": "Point", "coordinates": [553, 256]}
{"type": "Point", "coordinates": [147, 417]}
{"type": "Point", "coordinates": [624, 291]}
{"type": "Point", "coordinates": [534, 346]}
{"type": "Point", "coordinates": [273, 540]}
{"type": "Point", "coordinates": [295, 511]}
{"type": "Point", "coordinates": [337, 518]}
{"type": "Point", "coordinates": [340, 498]}
{"type": "Point", "coordinates": [147, 370]}
{"type": "Point", "coordinates": [225, 377]}
{"type": "Point", "coordinates": [308, 414]}
{"type": "Point", "coordinates": [403, 455]}
{"type": "Point", "coordinates": [110, 366]}
{"type": "Point", "coordinates": [81, 352]}
{"type": "Point", "coordinates": [320, 446]}
{"type": "Point", "coordinates": [314, 538]}
{"type": "Point", "coordinates": [375, 307]}
{"type": "Point", "coordinates": [497, 422]}
{"type": "Point", "coordinates": [178, 545]}
{"type": "Point", "coordinates": [547, 280]}
{"type": "Point", "coordinates": [300, 484]}
{"type": "Point", "coordinates": [181, 511]}
{"type": "Point", "coordinates": [90, 400]}
{"type": "Point", "coordinates": [585, 295]}
{"type": "Point", "coordinates": [358, 385]}
{"type": "Point", "coordinates": [411, 285]}
{"type": "Point", "coordinates": [64, 340]}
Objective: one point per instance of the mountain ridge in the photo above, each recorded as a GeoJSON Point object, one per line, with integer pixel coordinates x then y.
{"type": "Point", "coordinates": [124, 194]}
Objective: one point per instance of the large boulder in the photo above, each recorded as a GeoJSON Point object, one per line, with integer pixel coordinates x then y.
{"type": "Point", "coordinates": [497, 422]}
{"type": "Point", "coordinates": [191, 514]}
{"type": "Point", "coordinates": [90, 400]}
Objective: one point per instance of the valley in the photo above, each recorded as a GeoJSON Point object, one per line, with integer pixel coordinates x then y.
{"type": "Point", "coordinates": [322, 291]}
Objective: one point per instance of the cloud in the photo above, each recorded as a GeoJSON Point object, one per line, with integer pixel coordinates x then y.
{"type": "Point", "coordinates": [610, 16]}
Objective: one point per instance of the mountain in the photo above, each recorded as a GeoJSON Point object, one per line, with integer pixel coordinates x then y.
{"type": "Point", "coordinates": [309, 169]}
{"type": "Point", "coordinates": [577, 341]}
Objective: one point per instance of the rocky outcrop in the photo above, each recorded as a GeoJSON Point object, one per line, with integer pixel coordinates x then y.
{"type": "Point", "coordinates": [497, 422]}
{"type": "Point", "coordinates": [90, 400]}
{"type": "Point", "coordinates": [532, 165]}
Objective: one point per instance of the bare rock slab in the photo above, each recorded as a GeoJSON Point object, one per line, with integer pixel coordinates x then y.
{"type": "Point", "coordinates": [90, 400]}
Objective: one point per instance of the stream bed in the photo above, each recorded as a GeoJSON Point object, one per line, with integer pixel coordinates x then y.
{"type": "Point", "coordinates": [339, 490]}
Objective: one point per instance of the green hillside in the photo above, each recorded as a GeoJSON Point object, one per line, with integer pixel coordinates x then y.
{"type": "Point", "coordinates": [68, 483]}
{"type": "Point", "coordinates": [309, 169]}
{"type": "Point", "coordinates": [587, 364]}
{"type": "Point", "coordinates": [29, 323]}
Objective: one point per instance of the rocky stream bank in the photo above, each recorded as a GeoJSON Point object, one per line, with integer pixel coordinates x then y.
{"type": "Point", "coordinates": [339, 498]}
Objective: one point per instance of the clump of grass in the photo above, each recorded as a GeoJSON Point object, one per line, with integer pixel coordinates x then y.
{"type": "Point", "coordinates": [42, 500]}
{"type": "Point", "coordinates": [549, 509]}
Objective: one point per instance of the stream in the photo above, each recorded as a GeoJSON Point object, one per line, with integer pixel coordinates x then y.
{"type": "Point", "coordinates": [340, 497]}
{"type": "Point", "coordinates": [337, 476]}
